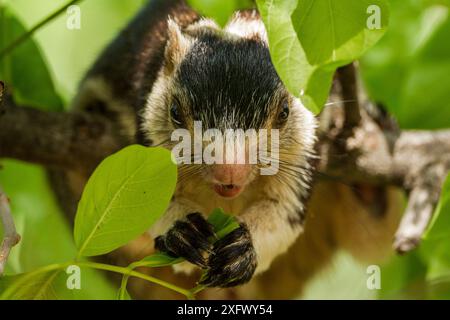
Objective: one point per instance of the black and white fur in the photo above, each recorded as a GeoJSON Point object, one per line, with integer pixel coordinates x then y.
{"type": "Point", "coordinates": [226, 79]}
{"type": "Point", "coordinates": [131, 83]}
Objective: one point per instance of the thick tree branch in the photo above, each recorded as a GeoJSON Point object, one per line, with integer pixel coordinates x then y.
{"type": "Point", "coordinates": [10, 237]}
{"type": "Point", "coordinates": [419, 164]}
{"type": "Point", "coordinates": [64, 139]}
{"type": "Point", "coordinates": [376, 153]}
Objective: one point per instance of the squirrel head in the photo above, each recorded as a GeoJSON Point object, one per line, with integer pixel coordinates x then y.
{"type": "Point", "coordinates": [224, 79]}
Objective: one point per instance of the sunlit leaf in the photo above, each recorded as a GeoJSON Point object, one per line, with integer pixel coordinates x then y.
{"type": "Point", "coordinates": [37, 285]}
{"type": "Point", "coordinates": [310, 39]}
{"type": "Point", "coordinates": [223, 223]}
{"type": "Point", "coordinates": [287, 54]}
{"type": "Point", "coordinates": [157, 260]}
{"type": "Point", "coordinates": [126, 194]}
{"type": "Point", "coordinates": [337, 31]}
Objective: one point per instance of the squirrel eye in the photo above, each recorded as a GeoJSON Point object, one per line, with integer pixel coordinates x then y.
{"type": "Point", "coordinates": [175, 113]}
{"type": "Point", "coordinates": [284, 114]}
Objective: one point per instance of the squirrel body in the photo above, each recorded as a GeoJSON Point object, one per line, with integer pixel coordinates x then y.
{"type": "Point", "coordinates": [169, 68]}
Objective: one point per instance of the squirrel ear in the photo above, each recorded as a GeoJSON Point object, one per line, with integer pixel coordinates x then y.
{"type": "Point", "coordinates": [177, 46]}
{"type": "Point", "coordinates": [247, 24]}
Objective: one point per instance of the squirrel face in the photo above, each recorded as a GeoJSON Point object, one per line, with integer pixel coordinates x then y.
{"type": "Point", "coordinates": [225, 79]}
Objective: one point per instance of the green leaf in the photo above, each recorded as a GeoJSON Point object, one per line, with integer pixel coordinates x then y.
{"type": "Point", "coordinates": [336, 31]}
{"type": "Point", "coordinates": [287, 54]}
{"type": "Point", "coordinates": [223, 223]}
{"type": "Point", "coordinates": [25, 70]}
{"type": "Point", "coordinates": [309, 41]}
{"type": "Point", "coordinates": [126, 194]}
{"type": "Point", "coordinates": [157, 260]}
{"type": "Point", "coordinates": [35, 212]}
{"type": "Point", "coordinates": [219, 10]}
{"type": "Point", "coordinates": [439, 288]}
{"type": "Point", "coordinates": [38, 285]}
{"type": "Point", "coordinates": [403, 277]}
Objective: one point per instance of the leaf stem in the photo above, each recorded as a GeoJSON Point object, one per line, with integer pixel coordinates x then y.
{"type": "Point", "coordinates": [123, 286]}
{"type": "Point", "coordinates": [197, 289]}
{"type": "Point", "coordinates": [137, 264]}
{"type": "Point", "coordinates": [128, 272]}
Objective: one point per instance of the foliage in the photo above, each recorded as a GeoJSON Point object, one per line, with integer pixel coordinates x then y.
{"type": "Point", "coordinates": [309, 39]}
{"type": "Point", "coordinates": [408, 71]}
{"type": "Point", "coordinates": [125, 195]}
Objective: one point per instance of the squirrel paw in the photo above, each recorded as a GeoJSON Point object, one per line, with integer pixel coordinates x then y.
{"type": "Point", "coordinates": [188, 239]}
{"type": "Point", "coordinates": [232, 261]}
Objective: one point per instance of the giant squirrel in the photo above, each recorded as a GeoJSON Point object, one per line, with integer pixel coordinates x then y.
{"type": "Point", "coordinates": [170, 67]}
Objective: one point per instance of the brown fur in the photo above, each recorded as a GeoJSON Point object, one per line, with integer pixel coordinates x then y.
{"type": "Point", "coordinates": [341, 222]}
{"type": "Point", "coordinates": [337, 218]}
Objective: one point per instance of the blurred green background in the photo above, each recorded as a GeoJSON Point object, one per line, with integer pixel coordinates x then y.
{"type": "Point", "coordinates": [408, 71]}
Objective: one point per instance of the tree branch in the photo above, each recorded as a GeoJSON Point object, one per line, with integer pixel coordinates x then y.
{"type": "Point", "coordinates": [355, 146]}
{"type": "Point", "coordinates": [64, 139]}
{"type": "Point", "coordinates": [417, 161]}
{"type": "Point", "coordinates": [11, 237]}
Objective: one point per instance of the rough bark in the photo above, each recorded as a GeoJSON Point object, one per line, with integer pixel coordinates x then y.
{"type": "Point", "coordinates": [72, 140]}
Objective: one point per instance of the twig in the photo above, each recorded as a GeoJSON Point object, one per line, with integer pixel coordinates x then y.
{"type": "Point", "coordinates": [11, 237]}
{"type": "Point", "coordinates": [30, 32]}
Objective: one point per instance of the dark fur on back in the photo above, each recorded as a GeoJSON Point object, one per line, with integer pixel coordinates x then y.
{"type": "Point", "coordinates": [132, 61]}
{"type": "Point", "coordinates": [129, 66]}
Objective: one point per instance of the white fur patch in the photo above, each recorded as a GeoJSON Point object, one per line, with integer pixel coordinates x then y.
{"type": "Point", "coordinates": [247, 27]}
{"type": "Point", "coordinates": [268, 220]}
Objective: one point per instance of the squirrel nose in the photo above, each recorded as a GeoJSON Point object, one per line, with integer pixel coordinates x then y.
{"type": "Point", "coordinates": [231, 174]}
